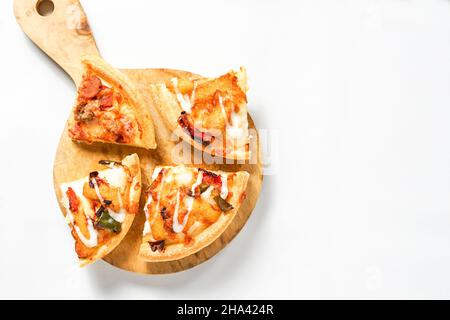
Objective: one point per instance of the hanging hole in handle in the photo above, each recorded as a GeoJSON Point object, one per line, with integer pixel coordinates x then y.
{"type": "Point", "coordinates": [45, 7]}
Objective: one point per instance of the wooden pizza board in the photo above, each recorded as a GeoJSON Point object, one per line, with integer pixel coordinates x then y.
{"type": "Point", "coordinates": [64, 35]}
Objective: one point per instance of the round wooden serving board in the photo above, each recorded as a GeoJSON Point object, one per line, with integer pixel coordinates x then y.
{"type": "Point", "coordinates": [65, 36]}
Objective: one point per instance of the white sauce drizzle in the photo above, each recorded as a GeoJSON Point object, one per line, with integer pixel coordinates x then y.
{"type": "Point", "coordinates": [147, 228]}
{"type": "Point", "coordinates": [115, 181]}
{"type": "Point", "coordinates": [184, 101]}
{"type": "Point", "coordinates": [176, 226]}
{"type": "Point", "coordinates": [93, 240]}
{"type": "Point", "coordinates": [222, 107]}
{"type": "Point", "coordinates": [118, 216]}
{"type": "Point", "coordinates": [194, 186]}
{"type": "Point", "coordinates": [235, 130]}
{"type": "Point", "coordinates": [119, 196]}
{"type": "Point", "coordinates": [207, 196]}
{"type": "Point", "coordinates": [156, 173]}
{"type": "Point", "coordinates": [182, 177]}
{"type": "Point", "coordinates": [236, 127]}
{"type": "Point", "coordinates": [224, 188]}
{"type": "Point", "coordinates": [189, 201]}
{"type": "Point", "coordinates": [97, 190]}
{"type": "Point", "coordinates": [115, 176]}
{"type": "Point", "coordinates": [195, 226]}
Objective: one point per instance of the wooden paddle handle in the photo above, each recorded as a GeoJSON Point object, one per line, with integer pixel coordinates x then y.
{"type": "Point", "coordinates": [63, 34]}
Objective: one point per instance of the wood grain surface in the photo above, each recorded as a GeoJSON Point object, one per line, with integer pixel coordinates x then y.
{"type": "Point", "coordinates": [65, 36]}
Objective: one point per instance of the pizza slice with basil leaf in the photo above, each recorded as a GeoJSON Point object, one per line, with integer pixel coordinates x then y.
{"type": "Point", "coordinates": [187, 208]}
{"type": "Point", "coordinates": [109, 109]}
{"type": "Point", "coordinates": [101, 207]}
{"type": "Point", "coordinates": [210, 114]}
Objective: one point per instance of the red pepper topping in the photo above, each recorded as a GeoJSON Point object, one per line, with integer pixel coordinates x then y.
{"type": "Point", "coordinates": [73, 200]}
{"type": "Point", "coordinates": [201, 137]}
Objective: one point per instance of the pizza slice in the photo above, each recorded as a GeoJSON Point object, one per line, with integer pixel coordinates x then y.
{"type": "Point", "coordinates": [210, 114]}
{"type": "Point", "coordinates": [109, 109]}
{"type": "Point", "coordinates": [187, 208]}
{"type": "Point", "coordinates": [100, 208]}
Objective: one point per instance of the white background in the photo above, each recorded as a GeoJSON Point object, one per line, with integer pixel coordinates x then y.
{"type": "Point", "coordinates": [357, 92]}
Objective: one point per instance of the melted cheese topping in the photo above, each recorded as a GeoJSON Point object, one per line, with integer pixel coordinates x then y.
{"type": "Point", "coordinates": [117, 178]}
{"type": "Point", "coordinates": [237, 129]}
